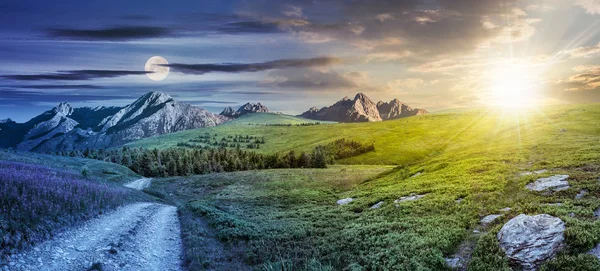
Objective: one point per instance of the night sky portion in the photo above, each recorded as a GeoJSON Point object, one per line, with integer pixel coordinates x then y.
{"type": "Point", "coordinates": [291, 55]}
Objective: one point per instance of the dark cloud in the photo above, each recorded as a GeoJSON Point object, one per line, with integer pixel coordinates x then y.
{"type": "Point", "coordinates": [55, 86]}
{"type": "Point", "coordinates": [122, 33]}
{"type": "Point", "coordinates": [310, 79]}
{"type": "Point", "coordinates": [430, 28]}
{"type": "Point", "coordinates": [254, 67]}
{"type": "Point", "coordinates": [255, 27]}
{"type": "Point", "coordinates": [39, 96]}
{"type": "Point", "coordinates": [74, 75]}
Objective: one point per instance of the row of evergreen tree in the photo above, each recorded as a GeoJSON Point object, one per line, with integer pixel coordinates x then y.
{"type": "Point", "coordinates": [185, 161]}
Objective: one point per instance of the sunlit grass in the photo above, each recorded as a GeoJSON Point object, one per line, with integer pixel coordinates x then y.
{"type": "Point", "coordinates": [289, 217]}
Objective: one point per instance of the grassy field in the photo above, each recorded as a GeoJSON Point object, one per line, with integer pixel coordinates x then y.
{"type": "Point", "coordinates": [404, 141]}
{"type": "Point", "coordinates": [288, 219]}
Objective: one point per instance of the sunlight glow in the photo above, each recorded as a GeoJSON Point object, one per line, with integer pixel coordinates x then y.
{"type": "Point", "coordinates": [512, 85]}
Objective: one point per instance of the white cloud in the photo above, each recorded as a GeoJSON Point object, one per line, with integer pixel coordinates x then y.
{"type": "Point", "coordinates": [590, 6]}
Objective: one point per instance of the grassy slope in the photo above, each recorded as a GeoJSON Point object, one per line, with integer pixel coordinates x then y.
{"type": "Point", "coordinates": [50, 194]}
{"type": "Point", "coordinates": [475, 155]}
{"type": "Point", "coordinates": [98, 170]}
{"type": "Point", "coordinates": [398, 141]}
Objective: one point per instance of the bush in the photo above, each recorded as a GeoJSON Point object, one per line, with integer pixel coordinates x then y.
{"type": "Point", "coordinates": [582, 262]}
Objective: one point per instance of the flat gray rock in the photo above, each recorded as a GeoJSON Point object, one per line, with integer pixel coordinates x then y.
{"type": "Point", "coordinates": [507, 209]}
{"type": "Point", "coordinates": [377, 205]}
{"type": "Point", "coordinates": [554, 183]}
{"type": "Point", "coordinates": [531, 240]}
{"type": "Point", "coordinates": [489, 219]}
{"type": "Point", "coordinates": [344, 201]}
{"type": "Point", "coordinates": [411, 197]}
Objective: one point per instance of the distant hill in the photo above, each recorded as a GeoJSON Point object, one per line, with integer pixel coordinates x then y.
{"type": "Point", "coordinates": [362, 109]}
{"type": "Point", "coordinates": [248, 108]}
{"type": "Point", "coordinates": [67, 128]}
{"type": "Point", "coordinates": [272, 119]}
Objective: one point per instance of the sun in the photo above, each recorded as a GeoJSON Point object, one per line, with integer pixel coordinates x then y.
{"type": "Point", "coordinates": [512, 85]}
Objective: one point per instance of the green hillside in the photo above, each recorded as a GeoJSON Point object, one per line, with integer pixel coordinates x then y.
{"type": "Point", "coordinates": [405, 141]}
{"type": "Point", "coordinates": [466, 164]}
{"type": "Point", "coordinates": [272, 119]}
{"type": "Point", "coordinates": [98, 170]}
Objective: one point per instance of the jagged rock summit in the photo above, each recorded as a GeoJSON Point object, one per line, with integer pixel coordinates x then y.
{"type": "Point", "coordinates": [248, 108]}
{"type": "Point", "coordinates": [396, 109]}
{"type": "Point", "coordinates": [67, 128]}
{"type": "Point", "coordinates": [6, 120]}
{"type": "Point", "coordinates": [362, 109]}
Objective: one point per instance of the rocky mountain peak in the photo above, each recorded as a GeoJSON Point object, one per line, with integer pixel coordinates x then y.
{"type": "Point", "coordinates": [63, 109]}
{"type": "Point", "coordinates": [8, 120]}
{"type": "Point", "coordinates": [245, 109]}
{"type": "Point", "coordinates": [361, 96]}
{"type": "Point", "coordinates": [228, 111]}
{"type": "Point", "coordinates": [361, 109]}
{"type": "Point", "coordinates": [154, 98]}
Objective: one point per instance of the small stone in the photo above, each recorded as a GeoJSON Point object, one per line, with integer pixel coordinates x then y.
{"type": "Point", "coordinates": [459, 200]}
{"type": "Point", "coordinates": [377, 205]}
{"type": "Point", "coordinates": [597, 213]}
{"type": "Point", "coordinates": [571, 214]}
{"type": "Point", "coordinates": [416, 174]}
{"type": "Point", "coordinates": [489, 219]}
{"type": "Point", "coordinates": [344, 201]}
{"type": "Point", "coordinates": [507, 209]}
{"type": "Point", "coordinates": [581, 194]}
{"type": "Point", "coordinates": [554, 183]}
{"type": "Point", "coordinates": [476, 231]}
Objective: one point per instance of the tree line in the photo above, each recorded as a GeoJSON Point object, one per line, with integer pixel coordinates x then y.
{"type": "Point", "coordinates": [185, 161]}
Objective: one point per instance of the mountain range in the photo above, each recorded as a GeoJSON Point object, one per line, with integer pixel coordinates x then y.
{"type": "Point", "coordinates": [244, 109]}
{"type": "Point", "coordinates": [68, 128]}
{"type": "Point", "coordinates": [155, 113]}
{"type": "Point", "coordinates": [362, 109]}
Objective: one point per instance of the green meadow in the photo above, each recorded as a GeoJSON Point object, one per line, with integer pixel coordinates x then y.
{"type": "Point", "coordinates": [467, 164]}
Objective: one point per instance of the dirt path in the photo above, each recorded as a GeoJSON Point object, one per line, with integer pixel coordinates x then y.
{"type": "Point", "coordinates": [139, 184]}
{"type": "Point", "coordinates": [140, 236]}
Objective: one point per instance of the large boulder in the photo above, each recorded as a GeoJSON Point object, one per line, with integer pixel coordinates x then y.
{"type": "Point", "coordinates": [554, 183]}
{"type": "Point", "coordinates": [530, 240]}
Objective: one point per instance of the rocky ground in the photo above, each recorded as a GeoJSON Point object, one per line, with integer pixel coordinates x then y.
{"type": "Point", "coordinates": [140, 236]}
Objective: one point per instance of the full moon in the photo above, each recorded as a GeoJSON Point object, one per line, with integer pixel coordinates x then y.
{"type": "Point", "coordinates": [155, 70]}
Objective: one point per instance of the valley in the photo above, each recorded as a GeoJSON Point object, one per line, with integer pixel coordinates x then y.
{"type": "Point", "coordinates": [441, 184]}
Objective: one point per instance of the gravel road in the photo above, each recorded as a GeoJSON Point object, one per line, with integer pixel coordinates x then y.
{"type": "Point", "coordinates": [140, 184]}
{"type": "Point", "coordinates": [140, 236]}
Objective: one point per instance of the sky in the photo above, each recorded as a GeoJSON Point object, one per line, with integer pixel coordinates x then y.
{"type": "Point", "coordinates": [294, 54]}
